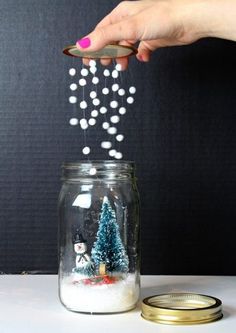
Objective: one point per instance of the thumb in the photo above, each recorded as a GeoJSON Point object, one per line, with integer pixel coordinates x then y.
{"type": "Point", "coordinates": [124, 30]}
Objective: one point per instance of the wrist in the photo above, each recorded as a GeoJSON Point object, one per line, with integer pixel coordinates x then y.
{"type": "Point", "coordinates": [209, 18]}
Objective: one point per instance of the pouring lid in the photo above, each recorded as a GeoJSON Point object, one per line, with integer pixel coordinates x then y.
{"type": "Point", "coordinates": [108, 52]}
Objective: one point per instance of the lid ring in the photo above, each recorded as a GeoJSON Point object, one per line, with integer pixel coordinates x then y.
{"type": "Point", "coordinates": [110, 51]}
{"type": "Point", "coordinates": [182, 308]}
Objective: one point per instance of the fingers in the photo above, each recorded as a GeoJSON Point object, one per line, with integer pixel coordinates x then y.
{"type": "Point", "coordinates": [128, 29]}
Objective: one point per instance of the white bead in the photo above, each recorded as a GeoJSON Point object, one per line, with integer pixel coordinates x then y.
{"type": "Point", "coordinates": [73, 86]}
{"type": "Point", "coordinates": [86, 150]}
{"type": "Point", "coordinates": [115, 119]}
{"type": "Point", "coordinates": [103, 110]}
{"type": "Point", "coordinates": [74, 121]}
{"type": "Point", "coordinates": [83, 123]}
{"type": "Point", "coordinates": [93, 171]}
{"type": "Point", "coordinates": [72, 99]}
{"type": "Point", "coordinates": [105, 91]}
{"type": "Point", "coordinates": [83, 105]}
{"type": "Point", "coordinates": [120, 137]}
{"type": "Point", "coordinates": [94, 113]}
{"type": "Point", "coordinates": [106, 144]}
{"type": "Point", "coordinates": [115, 74]}
{"type": "Point", "coordinates": [93, 69]}
{"type": "Point", "coordinates": [118, 155]}
{"type": "Point", "coordinates": [122, 110]}
{"type": "Point", "coordinates": [118, 67]}
{"type": "Point", "coordinates": [115, 87]}
{"type": "Point", "coordinates": [84, 72]}
{"type": "Point", "coordinates": [92, 121]}
{"type": "Point", "coordinates": [105, 125]}
{"type": "Point", "coordinates": [114, 104]}
{"type": "Point", "coordinates": [92, 63]}
{"type": "Point", "coordinates": [72, 71]}
{"type": "Point", "coordinates": [132, 90]}
{"type": "Point", "coordinates": [95, 80]}
{"type": "Point", "coordinates": [96, 101]}
{"type": "Point", "coordinates": [121, 92]}
{"type": "Point", "coordinates": [106, 72]}
{"type": "Point", "coordinates": [82, 82]}
{"type": "Point", "coordinates": [112, 130]}
{"type": "Point", "coordinates": [93, 94]}
{"type": "Point", "coordinates": [130, 100]}
{"type": "Point", "coordinates": [112, 152]}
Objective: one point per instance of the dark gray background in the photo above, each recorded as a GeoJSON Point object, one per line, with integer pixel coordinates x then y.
{"type": "Point", "coordinates": [182, 137]}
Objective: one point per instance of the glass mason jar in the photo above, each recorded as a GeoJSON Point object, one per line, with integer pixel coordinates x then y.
{"type": "Point", "coordinates": [99, 237]}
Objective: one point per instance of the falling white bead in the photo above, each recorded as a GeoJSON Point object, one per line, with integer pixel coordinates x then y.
{"type": "Point", "coordinates": [103, 110]}
{"type": "Point", "coordinates": [92, 121]}
{"type": "Point", "coordinates": [122, 110]}
{"type": "Point", "coordinates": [73, 86]}
{"type": "Point", "coordinates": [96, 101]}
{"type": "Point", "coordinates": [118, 155]}
{"type": "Point", "coordinates": [93, 69]}
{"type": "Point", "coordinates": [72, 71]}
{"type": "Point", "coordinates": [115, 119]}
{"type": "Point", "coordinates": [118, 67]}
{"type": "Point", "coordinates": [83, 123]}
{"type": "Point", "coordinates": [130, 100]}
{"type": "Point", "coordinates": [120, 137]}
{"type": "Point", "coordinates": [95, 80]}
{"type": "Point", "coordinates": [106, 72]}
{"type": "Point", "coordinates": [121, 92]}
{"type": "Point", "coordinates": [105, 125]}
{"type": "Point", "coordinates": [106, 144]}
{"type": "Point", "coordinates": [114, 104]}
{"type": "Point", "coordinates": [74, 121]}
{"type": "Point", "coordinates": [94, 113]}
{"type": "Point", "coordinates": [115, 74]}
{"type": "Point", "coordinates": [105, 91]}
{"type": "Point", "coordinates": [115, 87]}
{"type": "Point", "coordinates": [93, 94]}
{"type": "Point", "coordinates": [93, 171]}
{"type": "Point", "coordinates": [82, 82]}
{"type": "Point", "coordinates": [83, 105]}
{"type": "Point", "coordinates": [92, 63]}
{"type": "Point", "coordinates": [86, 150]}
{"type": "Point", "coordinates": [112, 152]}
{"type": "Point", "coordinates": [112, 130]}
{"type": "Point", "coordinates": [84, 72]}
{"type": "Point", "coordinates": [72, 99]}
{"type": "Point", "coordinates": [132, 90]}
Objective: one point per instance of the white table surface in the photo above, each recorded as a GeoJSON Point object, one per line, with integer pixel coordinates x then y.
{"type": "Point", "coordinates": [29, 304]}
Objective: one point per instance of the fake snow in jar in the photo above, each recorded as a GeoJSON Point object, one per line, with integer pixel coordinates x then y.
{"type": "Point", "coordinates": [99, 224]}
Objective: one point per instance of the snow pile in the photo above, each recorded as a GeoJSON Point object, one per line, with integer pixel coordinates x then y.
{"type": "Point", "coordinates": [106, 298]}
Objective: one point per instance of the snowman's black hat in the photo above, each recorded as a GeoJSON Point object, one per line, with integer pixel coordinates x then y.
{"type": "Point", "coordinates": [78, 238]}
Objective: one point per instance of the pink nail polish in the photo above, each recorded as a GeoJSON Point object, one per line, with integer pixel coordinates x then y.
{"type": "Point", "coordinates": [84, 42]}
{"type": "Point", "coordinates": [140, 58]}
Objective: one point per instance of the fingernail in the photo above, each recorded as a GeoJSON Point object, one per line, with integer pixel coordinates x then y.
{"type": "Point", "coordinates": [84, 42]}
{"type": "Point", "coordinates": [140, 58]}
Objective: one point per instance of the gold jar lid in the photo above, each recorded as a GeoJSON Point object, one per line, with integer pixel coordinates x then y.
{"type": "Point", "coordinates": [182, 309]}
{"type": "Point", "coordinates": [108, 52]}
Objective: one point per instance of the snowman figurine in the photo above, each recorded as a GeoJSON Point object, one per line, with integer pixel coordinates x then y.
{"type": "Point", "coordinates": [83, 265]}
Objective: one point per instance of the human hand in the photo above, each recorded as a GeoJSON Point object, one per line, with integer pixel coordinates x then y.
{"type": "Point", "coordinates": [158, 23]}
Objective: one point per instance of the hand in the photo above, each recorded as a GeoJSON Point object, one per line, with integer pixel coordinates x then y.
{"type": "Point", "coordinates": [160, 23]}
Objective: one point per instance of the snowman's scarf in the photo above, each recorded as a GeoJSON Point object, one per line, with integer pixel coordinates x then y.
{"type": "Point", "coordinates": [82, 256]}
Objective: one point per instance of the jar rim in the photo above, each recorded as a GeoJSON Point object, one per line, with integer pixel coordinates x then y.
{"type": "Point", "coordinates": [96, 162]}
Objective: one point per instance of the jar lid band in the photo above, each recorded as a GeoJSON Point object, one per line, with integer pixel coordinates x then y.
{"type": "Point", "coordinates": [182, 309]}
{"type": "Point", "coordinates": [108, 52]}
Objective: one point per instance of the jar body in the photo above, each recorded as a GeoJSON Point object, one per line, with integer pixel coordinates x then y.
{"type": "Point", "coordinates": [99, 238]}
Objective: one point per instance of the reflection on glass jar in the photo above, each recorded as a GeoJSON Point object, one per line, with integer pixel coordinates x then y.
{"type": "Point", "coordinates": [99, 237]}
